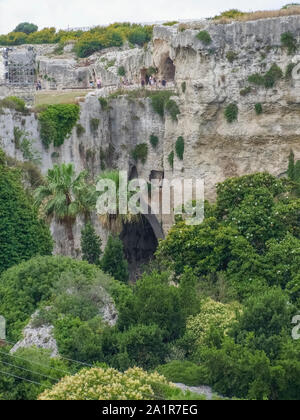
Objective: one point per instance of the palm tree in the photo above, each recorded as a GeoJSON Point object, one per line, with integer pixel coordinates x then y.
{"type": "Point", "coordinates": [64, 196]}
{"type": "Point", "coordinates": [115, 222]}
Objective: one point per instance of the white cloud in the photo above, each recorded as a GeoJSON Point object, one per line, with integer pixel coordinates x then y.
{"type": "Point", "coordinates": [78, 13]}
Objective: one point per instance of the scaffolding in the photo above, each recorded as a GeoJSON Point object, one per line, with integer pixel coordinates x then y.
{"type": "Point", "coordinates": [19, 68]}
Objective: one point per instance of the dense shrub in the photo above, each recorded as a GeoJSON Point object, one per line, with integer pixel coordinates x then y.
{"type": "Point", "coordinates": [12, 102]}
{"type": "Point", "coordinates": [38, 369]}
{"type": "Point", "coordinates": [258, 108]}
{"type": "Point", "coordinates": [24, 286]}
{"type": "Point", "coordinates": [204, 37]}
{"type": "Point", "coordinates": [159, 100]}
{"type": "Point", "coordinates": [57, 123]}
{"type": "Point", "coordinates": [154, 140]}
{"type": "Point", "coordinates": [90, 245]}
{"type": "Point", "coordinates": [26, 27]}
{"type": "Point", "coordinates": [140, 152]}
{"type": "Point", "coordinates": [80, 130]}
{"type": "Point", "coordinates": [113, 261]}
{"type": "Point", "coordinates": [121, 71]}
{"type": "Point", "coordinates": [231, 113]}
{"type": "Point", "coordinates": [22, 234]}
{"type": "Point", "coordinates": [109, 384]}
{"type": "Point", "coordinates": [288, 41]}
{"type": "Point", "coordinates": [183, 372]}
{"type": "Point", "coordinates": [269, 79]}
{"type": "Point", "coordinates": [173, 109]}
{"type": "Point", "coordinates": [179, 147]}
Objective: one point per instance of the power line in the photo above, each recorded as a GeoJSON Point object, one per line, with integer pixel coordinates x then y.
{"type": "Point", "coordinates": [19, 377]}
{"type": "Point", "coordinates": [28, 370]}
{"type": "Point", "coordinates": [35, 363]}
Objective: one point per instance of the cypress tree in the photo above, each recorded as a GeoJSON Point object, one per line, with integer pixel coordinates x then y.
{"type": "Point", "coordinates": [90, 245]}
{"type": "Point", "coordinates": [113, 261]}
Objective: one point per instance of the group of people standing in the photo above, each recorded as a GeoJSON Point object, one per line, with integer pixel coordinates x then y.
{"type": "Point", "coordinates": [153, 82]}
{"type": "Point", "coordinates": [98, 84]}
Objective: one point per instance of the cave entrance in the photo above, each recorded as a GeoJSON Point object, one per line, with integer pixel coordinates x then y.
{"type": "Point", "coordinates": [140, 244]}
{"type": "Point", "coordinates": [167, 69]}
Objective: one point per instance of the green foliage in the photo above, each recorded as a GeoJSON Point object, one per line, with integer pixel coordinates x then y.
{"type": "Point", "coordinates": [140, 35]}
{"type": "Point", "coordinates": [171, 159]}
{"type": "Point", "coordinates": [26, 28]}
{"type": "Point", "coordinates": [246, 91]}
{"type": "Point", "coordinates": [80, 130]}
{"type": "Point", "coordinates": [104, 104]}
{"type": "Point", "coordinates": [140, 152]}
{"type": "Point", "coordinates": [25, 286]}
{"type": "Point", "coordinates": [230, 14]}
{"type": "Point", "coordinates": [179, 147]}
{"type": "Point", "coordinates": [183, 372]}
{"type": "Point", "coordinates": [258, 108]}
{"type": "Point", "coordinates": [121, 71]}
{"type": "Point", "coordinates": [269, 79]}
{"type": "Point", "coordinates": [159, 100]}
{"type": "Point", "coordinates": [57, 123]}
{"type": "Point", "coordinates": [231, 56]}
{"type": "Point", "coordinates": [289, 70]}
{"type": "Point", "coordinates": [154, 140]}
{"type": "Point", "coordinates": [39, 370]}
{"type": "Point", "coordinates": [90, 245]}
{"type": "Point", "coordinates": [113, 261]}
{"type": "Point", "coordinates": [155, 302]}
{"type": "Point", "coordinates": [291, 167]}
{"type": "Point", "coordinates": [173, 109]}
{"type": "Point", "coordinates": [12, 102]}
{"type": "Point", "coordinates": [183, 87]}
{"type": "Point", "coordinates": [109, 384]}
{"type": "Point", "coordinates": [204, 37]}
{"type": "Point", "coordinates": [288, 41]}
{"type": "Point", "coordinates": [171, 23]}
{"type": "Point", "coordinates": [231, 113]}
{"type": "Point", "coordinates": [22, 234]}
{"type": "Point", "coordinates": [94, 124]}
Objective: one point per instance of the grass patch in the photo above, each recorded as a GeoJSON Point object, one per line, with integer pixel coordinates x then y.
{"type": "Point", "coordinates": [231, 113]}
{"type": "Point", "coordinates": [171, 159]}
{"type": "Point", "coordinates": [80, 130]}
{"type": "Point", "coordinates": [14, 103]}
{"type": "Point", "coordinates": [269, 79]}
{"type": "Point", "coordinates": [225, 17]}
{"type": "Point", "coordinates": [104, 104]}
{"type": "Point", "coordinates": [258, 108]}
{"type": "Point", "coordinates": [55, 97]}
{"type": "Point", "coordinates": [204, 37]}
{"type": "Point", "coordinates": [94, 124]}
{"type": "Point", "coordinates": [288, 41]}
{"type": "Point", "coordinates": [246, 91]}
{"type": "Point", "coordinates": [173, 109]}
{"type": "Point", "coordinates": [231, 56]}
{"type": "Point", "coordinates": [154, 141]}
{"type": "Point", "coordinates": [179, 147]}
{"type": "Point", "coordinates": [140, 153]}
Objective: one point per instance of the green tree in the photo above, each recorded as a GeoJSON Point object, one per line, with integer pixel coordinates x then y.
{"type": "Point", "coordinates": [22, 234]}
{"type": "Point", "coordinates": [291, 168]}
{"type": "Point", "coordinates": [64, 196]}
{"type": "Point", "coordinates": [26, 27]}
{"type": "Point", "coordinates": [90, 245]}
{"type": "Point", "coordinates": [113, 261]}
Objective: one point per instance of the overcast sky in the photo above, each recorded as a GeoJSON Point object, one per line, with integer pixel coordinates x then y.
{"type": "Point", "coordinates": [79, 13]}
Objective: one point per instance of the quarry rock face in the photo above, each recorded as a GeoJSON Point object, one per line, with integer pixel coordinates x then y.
{"type": "Point", "coordinates": [206, 79]}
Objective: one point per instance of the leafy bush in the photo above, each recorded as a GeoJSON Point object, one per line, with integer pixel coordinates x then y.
{"type": "Point", "coordinates": [269, 79]}
{"type": "Point", "coordinates": [204, 37]}
{"type": "Point", "coordinates": [22, 234]}
{"type": "Point", "coordinates": [113, 261]}
{"type": "Point", "coordinates": [231, 113]}
{"type": "Point", "coordinates": [109, 384]}
{"type": "Point", "coordinates": [246, 91]}
{"type": "Point", "coordinates": [26, 27]}
{"type": "Point", "coordinates": [258, 108]}
{"type": "Point", "coordinates": [37, 368]}
{"type": "Point", "coordinates": [171, 159]}
{"type": "Point", "coordinates": [183, 87]}
{"type": "Point", "coordinates": [104, 104]}
{"type": "Point", "coordinates": [80, 130]}
{"type": "Point", "coordinates": [183, 372]}
{"type": "Point", "coordinates": [121, 71]}
{"type": "Point", "coordinates": [90, 245]}
{"type": "Point", "coordinates": [173, 109]}
{"type": "Point", "coordinates": [140, 152]}
{"type": "Point", "coordinates": [154, 141]}
{"type": "Point", "coordinates": [57, 123]}
{"type": "Point", "coordinates": [94, 124]}
{"type": "Point", "coordinates": [288, 41]}
{"type": "Point", "coordinates": [179, 147]}
{"type": "Point", "coordinates": [25, 286]}
{"type": "Point", "coordinates": [12, 102]}
{"type": "Point", "coordinates": [159, 100]}
{"type": "Point", "coordinates": [230, 14]}
{"type": "Point", "coordinates": [231, 56]}
{"type": "Point", "coordinates": [140, 35]}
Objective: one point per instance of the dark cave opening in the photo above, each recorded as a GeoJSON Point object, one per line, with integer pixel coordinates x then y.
{"type": "Point", "coordinates": [140, 244]}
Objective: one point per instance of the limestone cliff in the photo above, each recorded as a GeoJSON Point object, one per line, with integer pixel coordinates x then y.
{"type": "Point", "coordinates": [206, 78]}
